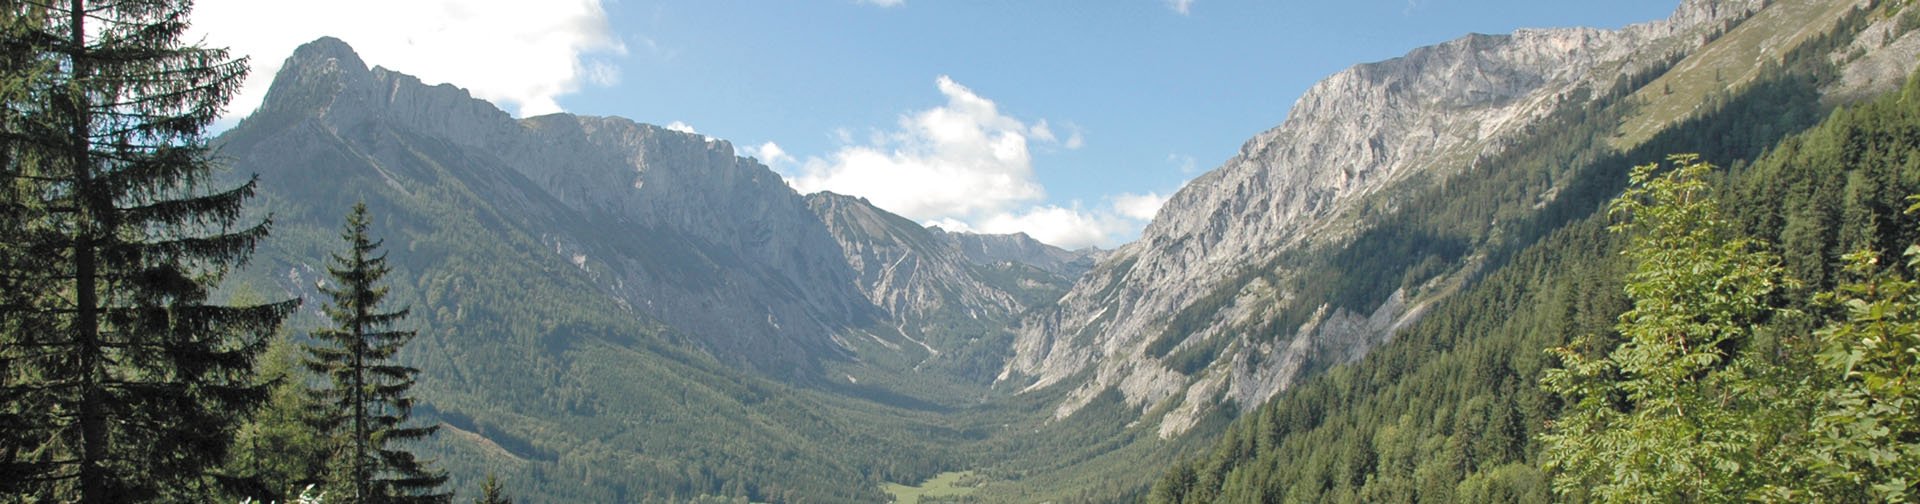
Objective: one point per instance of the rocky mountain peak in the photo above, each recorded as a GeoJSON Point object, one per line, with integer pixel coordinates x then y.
{"type": "Point", "coordinates": [325, 52]}
{"type": "Point", "coordinates": [315, 73]}
{"type": "Point", "coordinates": [326, 80]}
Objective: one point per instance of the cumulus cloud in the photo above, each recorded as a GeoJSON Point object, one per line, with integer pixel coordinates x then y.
{"type": "Point", "coordinates": [520, 54]}
{"type": "Point", "coordinates": [1139, 206]}
{"type": "Point", "coordinates": [963, 159]}
{"type": "Point", "coordinates": [682, 127]}
{"type": "Point", "coordinates": [1068, 227]}
{"type": "Point", "coordinates": [966, 166]}
{"type": "Point", "coordinates": [771, 154]}
{"type": "Point", "coordinates": [1184, 7]}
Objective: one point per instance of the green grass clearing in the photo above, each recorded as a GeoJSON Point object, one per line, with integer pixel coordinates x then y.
{"type": "Point", "coordinates": [941, 485]}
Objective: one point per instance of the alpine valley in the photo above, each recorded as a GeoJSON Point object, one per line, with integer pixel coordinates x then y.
{"type": "Point", "coordinates": [1355, 307]}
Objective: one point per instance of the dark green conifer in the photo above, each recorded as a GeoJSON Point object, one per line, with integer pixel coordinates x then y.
{"type": "Point", "coordinates": [366, 406]}
{"type": "Point", "coordinates": [120, 381]}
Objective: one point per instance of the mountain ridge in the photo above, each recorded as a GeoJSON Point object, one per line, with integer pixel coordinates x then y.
{"type": "Point", "coordinates": [759, 274]}
{"type": "Point", "coordinates": [1304, 183]}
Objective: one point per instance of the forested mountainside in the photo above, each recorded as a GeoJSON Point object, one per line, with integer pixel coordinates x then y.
{"type": "Point", "coordinates": [1424, 241]}
{"type": "Point", "coordinates": [1232, 291]}
{"type": "Point", "coordinates": [1454, 408]}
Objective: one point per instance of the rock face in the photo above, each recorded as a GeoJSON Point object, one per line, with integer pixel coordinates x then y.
{"type": "Point", "coordinates": [947, 291]}
{"type": "Point", "coordinates": [1881, 55]}
{"type": "Point", "coordinates": [676, 226]}
{"type": "Point", "coordinates": [1431, 112]}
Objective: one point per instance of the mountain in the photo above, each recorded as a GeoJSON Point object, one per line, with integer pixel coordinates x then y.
{"type": "Point", "coordinates": [614, 311]}
{"type": "Point", "coordinates": [671, 224]}
{"type": "Point", "coordinates": [1428, 303]}
{"type": "Point", "coordinates": [1455, 408]}
{"type": "Point", "coordinates": [676, 226]}
{"type": "Point", "coordinates": [1249, 277]}
{"type": "Point", "coordinates": [953, 294]}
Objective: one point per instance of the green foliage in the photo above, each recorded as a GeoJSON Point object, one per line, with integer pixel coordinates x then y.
{"type": "Point", "coordinates": [121, 382]}
{"type": "Point", "coordinates": [366, 406]}
{"type": "Point", "coordinates": [1673, 411]}
{"type": "Point", "coordinates": [1866, 436]}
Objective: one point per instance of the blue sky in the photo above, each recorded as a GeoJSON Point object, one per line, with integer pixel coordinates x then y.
{"type": "Point", "coordinates": [1067, 120]}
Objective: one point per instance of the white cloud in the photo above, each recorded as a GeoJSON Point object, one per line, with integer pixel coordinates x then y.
{"type": "Point", "coordinates": [771, 154]}
{"type": "Point", "coordinates": [520, 54]}
{"type": "Point", "coordinates": [966, 166]}
{"type": "Point", "coordinates": [1184, 7]}
{"type": "Point", "coordinates": [1138, 206]}
{"type": "Point", "coordinates": [884, 3]}
{"type": "Point", "coordinates": [681, 127]}
{"type": "Point", "coordinates": [1043, 132]}
{"type": "Point", "coordinates": [1071, 228]}
{"type": "Point", "coordinates": [963, 159]}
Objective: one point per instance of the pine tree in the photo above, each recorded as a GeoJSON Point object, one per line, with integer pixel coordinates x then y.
{"type": "Point", "coordinates": [122, 383]}
{"type": "Point", "coordinates": [366, 406]}
{"type": "Point", "coordinates": [490, 492]}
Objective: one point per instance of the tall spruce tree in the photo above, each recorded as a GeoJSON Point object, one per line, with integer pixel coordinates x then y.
{"type": "Point", "coordinates": [366, 406]}
{"type": "Point", "coordinates": [122, 383]}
